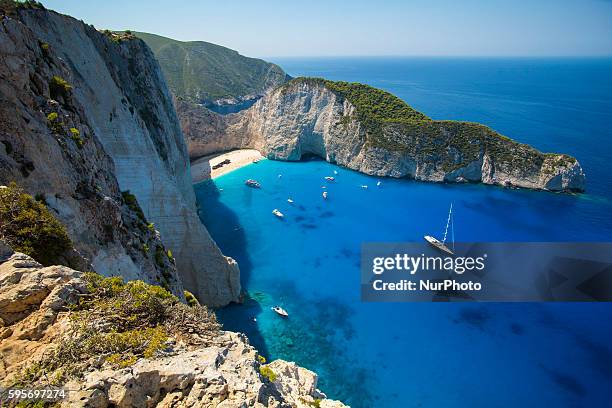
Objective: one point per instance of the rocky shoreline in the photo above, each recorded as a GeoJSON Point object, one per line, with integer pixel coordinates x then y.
{"type": "Point", "coordinates": [310, 116]}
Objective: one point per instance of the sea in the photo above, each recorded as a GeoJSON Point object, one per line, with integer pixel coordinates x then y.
{"type": "Point", "coordinates": [427, 354]}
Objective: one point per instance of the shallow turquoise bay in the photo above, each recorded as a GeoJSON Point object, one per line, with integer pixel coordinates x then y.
{"type": "Point", "coordinates": [424, 355]}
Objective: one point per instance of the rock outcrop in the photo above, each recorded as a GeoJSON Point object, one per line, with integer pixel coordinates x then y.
{"type": "Point", "coordinates": [373, 132]}
{"type": "Point", "coordinates": [87, 115]}
{"type": "Point", "coordinates": [226, 372]}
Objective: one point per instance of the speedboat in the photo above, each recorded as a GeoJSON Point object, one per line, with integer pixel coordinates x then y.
{"type": "Point", "coordinates": [280, 311]}
{"type": "Point", "coordinates": [335, 171]}
{"type": "Point", "coordinates": [364, 186]}
{"type": "Point", "coordinates": [278, 213]}
{"type": "Point", "coordinates": [290, 201]}
{"type": "Point", "coordinates": [325, 194]}
{"type": "Point", "coordinates": [252, 183]}
{"type": "Point", "coordinates": [329, 178]}
{"type": "Point", "coordinates": [378, 184]}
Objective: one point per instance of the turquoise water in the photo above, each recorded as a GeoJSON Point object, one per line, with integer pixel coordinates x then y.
{"type": "Point", "coordinates": [427, 355]}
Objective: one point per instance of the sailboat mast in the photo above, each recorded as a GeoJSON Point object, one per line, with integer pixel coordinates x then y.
{"type": "Point", "coordinates": [448, 223]}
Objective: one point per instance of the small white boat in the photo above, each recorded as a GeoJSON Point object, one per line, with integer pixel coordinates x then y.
{"type": "Point", "coordinates": [252, 183]}
{"type": "Point", "coordinates": [329, 178]}
{"type": "Point", "coordinates": [280, 175]}
{"type": "Point", "coordinates": [323, 186]}
{"type": "Point", "coordinates": [364, 186]}
{"type": "Point", "coordinates": [441, 245]}
{"type": "Point", "coordinates": [280, 311]}
{"type": "Point", "coordinates": [278, 213]}
{"type": "Point", "coordinates": [325, 195]}
{"type": "Point", "coordinates": [335, 171]}
{"type": "Point", "coordinates": [290, 201]}
{"type": "Point", "coordinates": [378, 184]}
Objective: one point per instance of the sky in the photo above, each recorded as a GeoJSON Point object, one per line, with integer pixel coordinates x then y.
{"type": "Point", "coordinates": [366, 28]}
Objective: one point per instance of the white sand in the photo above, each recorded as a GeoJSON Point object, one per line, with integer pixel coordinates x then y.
{"type": "Point", "coordinates": [202, 168]}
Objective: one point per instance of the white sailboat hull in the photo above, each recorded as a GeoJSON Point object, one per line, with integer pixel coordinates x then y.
{"type": "Point", "coordinates": [437, 244]}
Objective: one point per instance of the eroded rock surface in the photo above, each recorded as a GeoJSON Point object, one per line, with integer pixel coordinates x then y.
{"type": "Point", "coordinates": [34, 313]}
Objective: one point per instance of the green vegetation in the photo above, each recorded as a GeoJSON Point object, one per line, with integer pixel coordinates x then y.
{"type": "Point", "coordinates": [316, 403]}
{"type": "Point", "coordinates": [160, 256]}
{"type": "Point", "coordinates": [118, 36]}
{"type": "Point", "coordinates": [130, 200]}
{"type": "Point", "coordinates": [28, 227]}
{"type": "Point", "coordinates": [118, 323]}
{"type": "Point", "coordinates": [191, 299]}
{"type": "Point", "coordinates": [10, 7]}
{"type": "Point", "coordinates": [76, 137]}
{"type": "Point", "coordinates": [261, 359]}
{"type": "Point", "coordinates": [391, 124]}
{"type": "Point", "coordinates": [59, 87]}
{"type": "Point", "coordinates": [214, 72]}
{"type": "Point", "coordinates": [267, 372]}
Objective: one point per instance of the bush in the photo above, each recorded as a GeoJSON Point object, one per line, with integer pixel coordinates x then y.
{"type": "Point", "coordinates": [191, 299]}
{"type": "Point", "coordinates": [58, 86]}
{"type": "Point", "coordinates": [118, 323]}
{"type": "Point", "coordinates": [267, 372]}
{"type": "Point", "coordinates": [28, 227]}
{"type": "Point", "coordinates": [130, 200]}
{"type": "Point", "coordinates": [54, 123]}
{"type": "Point", "coordinates": [76, 137]}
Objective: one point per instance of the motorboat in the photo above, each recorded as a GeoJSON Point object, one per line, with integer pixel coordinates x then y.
{"type": "Point", "coordinates": [252, 183]}
{"type": "Point", "coordinates": [329, 178]}
{"type": "Point", "coordinates": [325, 194]}
{"type": "Point", "coordinates": [278, 213]}
{"type": "Point", "coordinates": [280, 311]}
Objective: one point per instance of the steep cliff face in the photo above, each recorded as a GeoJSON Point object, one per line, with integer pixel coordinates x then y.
{"type": "Point", "coordinates": [371, 131]}
{"type": "Point", "coordinates": [50, 148]}
{"type": "Point", "coordinates": [117, 99]}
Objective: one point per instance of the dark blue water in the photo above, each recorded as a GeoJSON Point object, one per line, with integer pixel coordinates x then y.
{"type": "Point", "coordinates": [428, 355]}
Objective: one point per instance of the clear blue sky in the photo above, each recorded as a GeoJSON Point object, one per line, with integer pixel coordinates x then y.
{"type": "Point", "coordinates": [359, 27]}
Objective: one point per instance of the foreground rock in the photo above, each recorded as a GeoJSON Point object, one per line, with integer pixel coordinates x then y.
{"type": "Point", "coordinates": [220, 371]}
{"type": "Point", "coordinates": [372, 131]}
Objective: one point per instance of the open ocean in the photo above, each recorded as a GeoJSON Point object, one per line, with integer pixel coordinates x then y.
{"type": "Point", "coordinates": [428, 355]}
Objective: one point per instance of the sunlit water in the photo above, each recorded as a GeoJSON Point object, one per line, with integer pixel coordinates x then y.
{"type": "Point", "coordinates": [426, 355]}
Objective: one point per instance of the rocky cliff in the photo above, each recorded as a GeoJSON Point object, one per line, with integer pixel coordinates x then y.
{"type": "Point", "coordinates": [86, 116]}
{"type": "Point", "coordinates": [62, 326]}
{"type": "Point", "coordinates": [374, 132]}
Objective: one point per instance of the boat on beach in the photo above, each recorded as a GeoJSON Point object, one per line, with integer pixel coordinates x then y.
{"type": "Point", "coordinates": [280, 311]}
{"type": "Point", "coordinates": [277, 213]}
{"type": "Point", "coordinates": [252, 183]}
{"type": "Point", "coordinates": [441, 245]}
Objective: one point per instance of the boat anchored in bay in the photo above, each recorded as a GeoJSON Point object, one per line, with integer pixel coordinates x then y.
{"type": "Point", "coordinates": [441, 245]}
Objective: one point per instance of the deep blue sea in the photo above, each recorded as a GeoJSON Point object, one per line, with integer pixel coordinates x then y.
{"type": "Point", "coordinates": [428, 355]}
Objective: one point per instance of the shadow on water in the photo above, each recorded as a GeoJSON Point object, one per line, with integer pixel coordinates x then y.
{"type": "Point", "coordinates": [235, 317]}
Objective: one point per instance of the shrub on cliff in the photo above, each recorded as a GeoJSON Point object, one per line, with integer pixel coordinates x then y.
{"type": "Point", "coordinates": [28, 226]}
{"type": "Point", "coordinates": [116, 323]}
{"type": "Point", "coordinates": [59, 87]}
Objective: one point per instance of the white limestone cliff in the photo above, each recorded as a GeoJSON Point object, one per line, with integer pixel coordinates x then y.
{"type": "Point", "coordinates": [126, 109]}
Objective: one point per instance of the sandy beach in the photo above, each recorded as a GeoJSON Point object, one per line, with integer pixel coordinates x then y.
{"type": "Point", "coordinates": [203, 168]}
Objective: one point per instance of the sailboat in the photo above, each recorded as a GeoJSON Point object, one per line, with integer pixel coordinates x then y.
{"type": "Point", "coordinates": [441, 245]}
